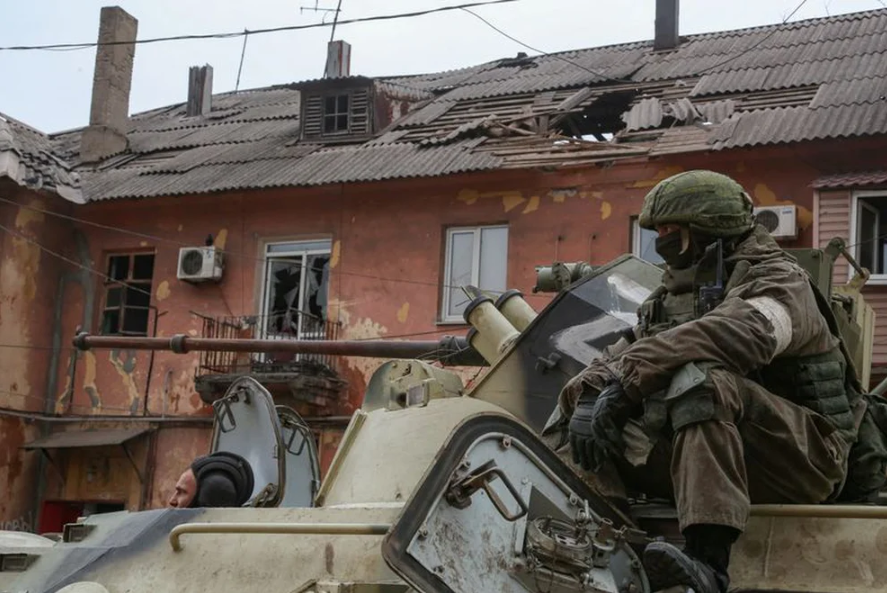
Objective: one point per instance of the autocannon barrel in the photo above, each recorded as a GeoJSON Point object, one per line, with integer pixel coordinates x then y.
{"type": "Point", "coordinates": [451, 350]}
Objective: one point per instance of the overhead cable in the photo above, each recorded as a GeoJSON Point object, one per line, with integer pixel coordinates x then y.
{"type": "Point", "coordinates": [237, 254]}
{"type": "Point", "coordinates": [234, 34]}
{"type": "Point", "coordinates": [755, 46]}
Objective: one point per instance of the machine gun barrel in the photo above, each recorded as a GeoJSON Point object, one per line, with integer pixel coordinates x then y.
{"type": "Point", "coordinates": [452, 350]}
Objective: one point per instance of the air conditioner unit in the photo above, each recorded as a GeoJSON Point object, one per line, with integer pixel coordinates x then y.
{"type": "Point", "coordinates": [199, 264]}
{"type": "Point", "coordinates": [781, 221]}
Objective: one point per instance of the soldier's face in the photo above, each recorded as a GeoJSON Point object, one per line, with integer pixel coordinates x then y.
{"type": "Point", "coordinates": [667, 229]}
{"type": "Point", "coordinates": [186, 489]}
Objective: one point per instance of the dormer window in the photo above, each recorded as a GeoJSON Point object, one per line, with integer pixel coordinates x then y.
{"type": "Point", "coordinates": [337, 110]}
{"type": "Point", "coordinates": [336, 114]}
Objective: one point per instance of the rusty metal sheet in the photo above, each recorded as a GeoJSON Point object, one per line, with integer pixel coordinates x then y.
{"type": "Point", "coordinates": [86, 438]}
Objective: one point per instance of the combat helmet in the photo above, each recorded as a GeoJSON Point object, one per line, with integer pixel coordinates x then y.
{"type": "Point", "coordinates": [708, 202]}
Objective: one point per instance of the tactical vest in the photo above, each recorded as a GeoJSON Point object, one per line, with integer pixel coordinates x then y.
{"type": "Point", "coordinates": [817, 382]}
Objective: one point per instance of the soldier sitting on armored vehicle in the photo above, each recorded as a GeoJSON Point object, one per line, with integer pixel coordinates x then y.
{"type": "Point", "coordinates": [221, 479]}
{"type": "Point", "coordinates": [731, 390]}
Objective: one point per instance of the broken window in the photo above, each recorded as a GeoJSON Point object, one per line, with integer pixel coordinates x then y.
{"type": "Point", "coordinates": [335, 114]}
{"type": "Point", "coordinates": [868, 235]}
{"type": "Point", "coordinates": [128, 294]}
{"type": "Point", "coordinates": [643, 243]}
{"type": "Point", "coordinates": [296, 288]}
{"type": "Point", "coordinates": [477, 256]}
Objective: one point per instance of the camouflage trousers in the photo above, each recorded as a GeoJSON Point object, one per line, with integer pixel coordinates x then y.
{"type": "Point", "coordinates": [758, 448]}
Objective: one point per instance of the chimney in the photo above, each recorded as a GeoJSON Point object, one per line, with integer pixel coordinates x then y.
{"type": "Point", "coordinates": [200, 90]}
{"type": "Point", "coordinates": [106, 134]}
{"type": "Point", "coordinates": [338, 59]}
{"type": "Point", "coordinates": [667, 36]}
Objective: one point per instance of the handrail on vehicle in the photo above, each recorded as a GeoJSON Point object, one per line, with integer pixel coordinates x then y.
{"type": "Point", "coordinates": [276, 528]}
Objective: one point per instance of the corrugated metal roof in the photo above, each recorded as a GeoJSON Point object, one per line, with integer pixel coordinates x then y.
{"type": "Point", "coordinates": [851, 92]}
{"type": "Point", "coordinates": [86, 438]}
{"type": "Point", "coordinates": [29, 159]}
{"type": "Point", "coordinates": [856, 179]}
{"type": "Point", "coordinates": [807, 80]}
{"type": "Point", "coordinates": [796, 124]}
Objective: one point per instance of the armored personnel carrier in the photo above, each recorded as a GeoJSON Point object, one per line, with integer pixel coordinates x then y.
{"type": "Point", "coordinates": [438, 488]}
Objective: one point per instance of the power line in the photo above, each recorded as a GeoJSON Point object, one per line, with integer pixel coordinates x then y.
{"type": "Point", "coordinates": [755, 46]}
{"type": "Point", "coordinates": [383, 17]}
{"type": "Point", "coordinates": [605, 77]}
{"type": "Point", "coordinates": [73, 262]}
{"type": "Point", "coordinates": [237, 254]}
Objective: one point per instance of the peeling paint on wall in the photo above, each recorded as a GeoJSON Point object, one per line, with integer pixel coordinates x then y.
{"type": "Point", "coordinates": [403, 312]}
{"type": "Point", "coordinates": [663, 173]}
{"type": "Point", "coordinates": [559, 196]}
{"type": "Point", "coordinates": [468, 196]}
{"type": "Point", "coordinates": [767, 197]}
{"type": "Point", "coordinates": [221, 239]}
{"type": "Point", "coordinates": [30, 214]}
{"type": "Point", "coordinates": [335, 254]}
{"type": "Point", "coordinates": [533, 205]}
{"type": "Point", "coordinates": [606, 210]}
{"type": "Point", "coordinates": [124, 362]}
{"type": "Point", "coordinates": [163, 291]}
{"type": "Point", "coordinates": [89, 380]}
{"type": "Point", "coordinates": [19, 274]}
{"type": "Point", "coordinates": [511, 200]}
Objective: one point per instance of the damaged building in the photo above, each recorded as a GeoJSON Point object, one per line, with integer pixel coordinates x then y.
{"type": "Point", "coordinates": [352, 207]}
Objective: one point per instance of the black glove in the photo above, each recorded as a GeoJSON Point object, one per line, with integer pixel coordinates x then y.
{"type": "Point", "coordinates": [597, 424]}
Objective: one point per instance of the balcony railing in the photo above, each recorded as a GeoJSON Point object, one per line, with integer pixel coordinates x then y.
{"type": "Point", "coordinates": [295, 325]}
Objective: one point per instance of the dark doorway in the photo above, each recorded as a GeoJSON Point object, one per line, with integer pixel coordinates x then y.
{"type": "Point", "coordinates": [56, 513]}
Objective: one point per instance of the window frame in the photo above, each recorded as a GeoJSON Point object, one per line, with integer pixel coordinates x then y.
{"type": "Point", "coordinates": [129, 282]}
{"type": "Point", "coordinates": [635, 231]}
{"type": "Point", "coordinates": [874, 279]}
{"type": "Point", "coordinates": [268, 257]}
{"type": "Point", "coordinates": [444, 317]}
{"type": "Point", "coordinates": [336, 113]}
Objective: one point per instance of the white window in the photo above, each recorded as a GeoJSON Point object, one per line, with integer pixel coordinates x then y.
{"type": "Point", "coordinates": [295, 289]}
{"type": "Point", "coordinates": [643, 243]}
{"type": "Point", "coordinates": [477, 256]}
{"type": "Point", "coordinates": [868, 241]}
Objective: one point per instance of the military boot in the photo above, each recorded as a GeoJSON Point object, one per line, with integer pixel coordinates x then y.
{"type": "Point", "coordinates": [702, 565]}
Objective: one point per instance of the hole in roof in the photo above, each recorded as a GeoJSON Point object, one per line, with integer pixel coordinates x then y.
{"type": "Point", "coordinates": [600, 120]}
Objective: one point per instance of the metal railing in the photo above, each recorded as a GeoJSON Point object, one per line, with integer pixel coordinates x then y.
{"type": "Point", "coordinates": [294, 325]}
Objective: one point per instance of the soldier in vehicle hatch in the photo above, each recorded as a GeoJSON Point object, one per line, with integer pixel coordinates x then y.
{"type": "Point", "coordinates": [731, 390]}
{"type": "Point", "coordinates": [221, 479]}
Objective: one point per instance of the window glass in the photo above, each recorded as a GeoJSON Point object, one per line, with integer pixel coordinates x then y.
{"type": "Point", "coordinates": [868, 240]}
{"type": "Point", "coordinates": [460, 274]}
{"type": "Point", "coordinates": [493, 258]}
{"type": "Point", "coordinates": [297, 276]}
{"type": "Point", "coordinates": [644, 243]}
{"type": "Point", "coordinates": [474, 256]}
